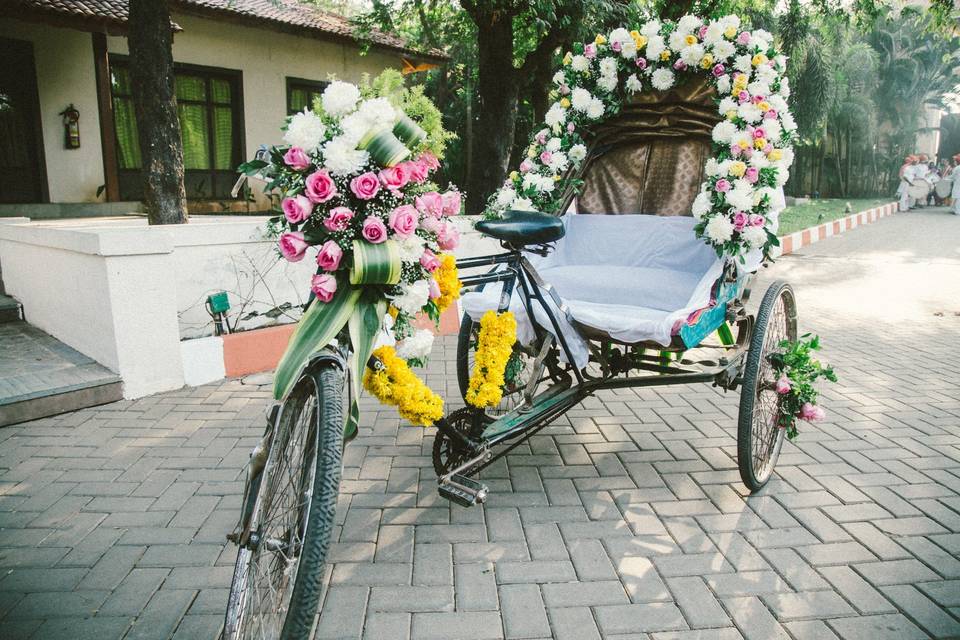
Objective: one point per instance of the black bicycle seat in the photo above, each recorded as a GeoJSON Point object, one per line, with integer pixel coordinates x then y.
{"type": "Point", "coordinates": [523, 228]}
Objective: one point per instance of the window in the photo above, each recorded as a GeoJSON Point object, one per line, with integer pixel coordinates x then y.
{"type": "Point", "coordinates": [210, 111]}
{"type": "Point", "coordinates": [301, 93]}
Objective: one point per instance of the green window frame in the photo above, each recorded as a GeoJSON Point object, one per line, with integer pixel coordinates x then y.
{"type": "Point", "coordinates": [301, 93]}
{"type": "Point", "coordinates": [210, 110]}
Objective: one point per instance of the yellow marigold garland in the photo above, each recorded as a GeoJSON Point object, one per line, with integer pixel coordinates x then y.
{"type": "Point", "coordinates": [448, 280]}
{"type": "Point", "coordinates": [498, 332]}
{"type": "Point", "coordinates": [396, 385]}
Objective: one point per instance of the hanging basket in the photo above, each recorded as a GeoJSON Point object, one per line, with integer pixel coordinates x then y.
{"type": "Point", "coordinates": [384, 147]}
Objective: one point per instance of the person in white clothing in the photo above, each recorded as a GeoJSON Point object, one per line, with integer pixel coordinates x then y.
{"type": "Point", "coordinates": [907, 175]}
{"type": "Point", "coordinates": [955, 192]}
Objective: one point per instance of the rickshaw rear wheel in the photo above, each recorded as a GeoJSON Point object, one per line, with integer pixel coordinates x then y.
{"type": "Point", "coordinates": [759, 436]}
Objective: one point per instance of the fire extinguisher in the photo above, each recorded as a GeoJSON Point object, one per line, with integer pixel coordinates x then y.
{"type": "Point", "coordinates": [71, 127]}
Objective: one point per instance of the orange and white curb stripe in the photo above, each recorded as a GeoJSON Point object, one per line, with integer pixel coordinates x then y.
{"type": "Point", "coordinates": [805, 237]}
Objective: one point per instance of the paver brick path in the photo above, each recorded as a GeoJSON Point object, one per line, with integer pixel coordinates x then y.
{"type": "Point", "coordinates": [625, 519]}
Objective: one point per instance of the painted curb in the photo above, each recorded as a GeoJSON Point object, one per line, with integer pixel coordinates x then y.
{"type": "Point", "coordinates": [805, 237]}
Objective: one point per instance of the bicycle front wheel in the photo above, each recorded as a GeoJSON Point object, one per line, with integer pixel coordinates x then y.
{"type": "Point", "coordinates": [279, 572]}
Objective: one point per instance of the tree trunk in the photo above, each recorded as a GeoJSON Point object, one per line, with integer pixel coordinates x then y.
{"type": "Point", "coordinates": [151, 76]}
{"type": "Point", "coordinates": [497, 90]}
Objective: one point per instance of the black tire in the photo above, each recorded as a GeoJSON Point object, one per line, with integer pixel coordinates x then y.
{"type": "Point", "coordinates": [317, 405]}
{"type": "Point", "coordinates": [466, 339]}
{"type": "Point", "coordinates": [759, 437]}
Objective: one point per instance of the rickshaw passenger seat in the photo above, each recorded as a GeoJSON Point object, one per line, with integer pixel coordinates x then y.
{"type": "Point", "coordinates": [522, 228]}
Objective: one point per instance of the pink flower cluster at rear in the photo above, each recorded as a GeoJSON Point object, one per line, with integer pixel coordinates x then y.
{"type": "Point", "coordinates": [808, 411]}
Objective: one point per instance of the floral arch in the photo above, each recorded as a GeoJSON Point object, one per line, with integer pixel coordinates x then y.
{"type": "Point", "coordinates": [752, 144]}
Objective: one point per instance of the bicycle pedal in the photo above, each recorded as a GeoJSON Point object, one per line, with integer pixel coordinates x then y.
{"type": "Point", "coordinates": [463, 490]}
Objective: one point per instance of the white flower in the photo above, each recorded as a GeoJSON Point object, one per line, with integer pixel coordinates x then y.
{"type": "Point", "coordinates": [558, 162]}
{"type": "Point", "coordinates": [342, 157]}
{"type": "Point", "coordinates": [678, 40]}
{"type": "Point", "coordinates": [782, 176]}
{"type": "Point", "coordinates": [339, 98]}
{"type": "Point", "coordinates": [762, 35]}
{"type": "Point", "coordinates": [655, 46]}
{"type": "Point", "coordinates": [758, 88]}
{"type": "Point", "coordinates": [692, 54]}
{"type": "Point", "coordinates": [608, 67]}
{"type": "Point", "coordinates": [580, 98]}
{"type": "Point", "coordinates": [780, 61]}
{"type": "Point", "coordinates": [577, 153]}
{"type": "Point", "coordinates": [633, 83]}
{"type": "Point", "coordinates": [724, 131]}
{"type": "Point", "coordinates": [607, 83]}
{"type": "Point", "coordinates": [754, 236]}
{"type": "Point", "coordinates": [749, 112]}
{"type": "Point", "coordinates": [411, 247]}
{"type": "Point", "coordinates": [417, 346]}
{"type": "Point", "coordinates": [580, 63]}
{"type": "Point", "coordinates": [538, 182]}
{"type": "Point", "coordinates": [595, 109]}
{"type": "Point", "coordinates": [740, 198]}
{"type": "Point", "coordinates": [523, 204]}
{"type": "Point", "coordinates": [620, 35]}
{"type": "Point", "coordinates": [785, 87]}
{"type": "Point", "coordinates": [765, 74]}
{"type": "Point", "coordinates": [505, 196]}
{"type": "Point", "coordinates": [727, 104]}
{"type": "Point", "coordinates": [553, 144]}
{"type": "Point", "coordinates": [629, 49]}
{"type": "Point", "coordinates": [662, 79]}
{"type": "Point", "coordinates": [777, 102]}
{"type": "Point", "coordinates": [556, 115]}
{"type": "Point", "coordinates": [743, 63]}
{"type": "Point", "coordinates": [413, 296]}
{"type": "Point", "coordinates": [759, 161]}
{"type": "Point", "coordinates": [719, 229]}
{"type": "Point", "coordinates": [787, 158]}
{"type": "Point", "coordinates": [712, 167]}
{"type": "Point", "coordinates": [722, 50]}
{"type": "Point", "coordinates": [378, 112]}
{"type": "Point", "coordinates": [723, 84]}
{"type": "Point", "coordinates": [786, 118]}
{"type": "Point", "coordinates": [772, 129]}
{"type": "Point", "coordinates": [354, 126]}
{"type": "Point", "coordinates": [714, 33]}
{"type": "Point", "coordinates": [701, 205]}
{"type": "Point", "coordinates": [688, 23]}
{"type": "Point", "coordinates": [651, 28]}
{"type": "Point", "coordinates": [305, 130]}
{"type": "Point", "coordinates": [732, 20]}
{"type": "Point", "coordinates": [559, 77]}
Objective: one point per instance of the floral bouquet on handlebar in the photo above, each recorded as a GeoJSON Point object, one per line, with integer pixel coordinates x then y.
{"type": "Point", "coordinates": [353, 181]}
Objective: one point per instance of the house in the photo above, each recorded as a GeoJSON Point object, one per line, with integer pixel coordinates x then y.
{"type": "Point", "coordinates": [241, 67]}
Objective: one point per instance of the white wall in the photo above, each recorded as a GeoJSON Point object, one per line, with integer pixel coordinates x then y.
{"type": "Point", "coordinates": [65, 74]}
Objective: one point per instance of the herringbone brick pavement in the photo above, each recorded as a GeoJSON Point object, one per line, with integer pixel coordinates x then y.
{"type": "Point", "coordinates": [625, 518]}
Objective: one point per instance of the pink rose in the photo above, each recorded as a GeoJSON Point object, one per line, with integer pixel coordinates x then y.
{"type": "Point", "coordinates": [365, 186]}
{"type": "Point", "coordinates": [751, 175]}
{"type": "Point", "coordinates": [571, 127]}
{"type": "Point", "coordinates": [374, 230]}
{"type": "Point", "coordinates": [590, 51]}
{"type": "Point", "coordinates": [743, 38]}
{"type": "Point", "coordinates": [541, 137]}
{"type": "Point", "coordinates": [324, 286]}
{"type": "Point", "coordinates": [767, 148]}
{"type": "Point", "coordinates": [564, 90]}
{"type": "Point", "coordinates": [759, 133]}
{"type": "Point", "coordinates": [296, 158]}
{"type": "Point", "coordinates": [429, 261]}
{"type": "Point", "coordinates": [702, 32]}
{"type": "Point", "coordinates": [783, 384]}
{"type": "Point", "coordinates": [430, 203]}
{"type": "Point", "coordinates": [394, 178]}
{"type": "Point", "coordinates": [429, 161]}
{"type": "Point", "coordinates": [525, 165]}
{"type": "Point", "coordinates": [430, 224]}
{"type": "Point", "coordinates": [718, 70]}
{"type": "Point", "coordinates": [292, 245]}
{"type": "Point", "coordinates": [642, 63]}
{"type": "Point", "coordinates": [748, 152]}
{"type": "Point", "coordinates": [722, 185]}
{"type": "Point", "coordinates": [770, 114]}
{"type": "Point", "coordinates": [296, 209]}
{"type": "Point", "coordinates": [451, 202]}
{"type": "Point", "coordinates": [448, 237]}
{"type": "Point", "coordinates": [320, 186]}
{"type": "Point", "coordinates": [743, 96]}
{"type": "Point", "coordinates": [416, 170]}
{"type": "Point", "coordinates": [329, 256]}
{"type": "Point", "coordinates": [403, 220]}
{"type": "Point", "coordinates": [680, 65]}
{"type": "Point", "coordinates": [811, 412]}
{"type": "Point", "coordinates": [616, 46]}
{"type": "Point", "coordinates": [546, 157]}
{"type": "Point", "coordinates": [757, 220]}
{"type": "Point", "coordinates": [740, 220]}
{"type": "Point", "coordinates": [339, 219]}
{"type": "Point", "coordinates": [735, 150]}
{"type": "Point", "coordinates": [434, 289]}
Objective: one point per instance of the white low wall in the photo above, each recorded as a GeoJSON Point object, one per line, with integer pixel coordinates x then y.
{"type": "Point", "coordinates": [126, 294]}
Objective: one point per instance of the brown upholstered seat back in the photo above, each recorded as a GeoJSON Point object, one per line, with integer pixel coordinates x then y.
{"type": "Point", "coordinates": [649, 158]}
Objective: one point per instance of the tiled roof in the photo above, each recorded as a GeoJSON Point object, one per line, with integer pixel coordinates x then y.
{"type": "Point", "coordinates": [288, 15]}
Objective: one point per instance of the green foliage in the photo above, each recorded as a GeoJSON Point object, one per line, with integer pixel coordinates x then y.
{"type": "Point", "coordinates": [796, 363]}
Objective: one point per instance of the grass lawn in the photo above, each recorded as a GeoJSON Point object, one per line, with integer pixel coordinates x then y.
{"type": "Point", "coordinates": [815, 212]}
